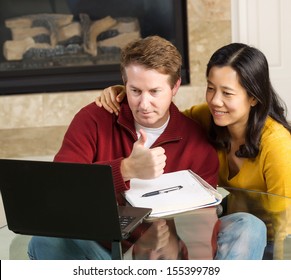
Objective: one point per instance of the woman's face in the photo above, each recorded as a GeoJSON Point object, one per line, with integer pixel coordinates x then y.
{"type": "Point", "coordinates": [227, 100]}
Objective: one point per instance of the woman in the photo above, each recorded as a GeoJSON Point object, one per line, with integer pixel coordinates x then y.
{"type": "Point", "coordinates": [245, 121]}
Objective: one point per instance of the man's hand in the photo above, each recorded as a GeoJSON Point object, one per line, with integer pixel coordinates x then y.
{"type": "Point", "coordinates": [110, 98]}
{"type": "Point", "coordinates": [143, 163]}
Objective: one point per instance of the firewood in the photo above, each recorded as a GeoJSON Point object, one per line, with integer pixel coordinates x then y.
{"type": "Point", "coordinates": [50, 21]}
{"type": "Point", "coordinates": [120, 40]}
{"type": "Point", "coordinates": [92, 30]}
{"type": "Point", "coordinates": [127, 24]}
{"type": "Point", "coordinates": [69, 31]}
{"type": "Point", "coordinates": [28, 20]}
{"type": "Point", "coordinates": [22, 33]}
{"type": "Point", "coordinates": [14, 50]}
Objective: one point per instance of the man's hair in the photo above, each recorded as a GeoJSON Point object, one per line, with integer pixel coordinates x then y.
{"type": "Point", "coordinates": [153, 52]}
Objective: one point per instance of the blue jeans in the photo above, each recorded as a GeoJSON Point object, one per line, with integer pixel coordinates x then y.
{"type": "Point", "coordinates": [241, 237]}
{"type": "Point", "coordinates": [52, 248]}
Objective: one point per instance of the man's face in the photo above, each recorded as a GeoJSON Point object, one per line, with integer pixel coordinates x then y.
{"type": "Point", "coordinates": [149, 95]}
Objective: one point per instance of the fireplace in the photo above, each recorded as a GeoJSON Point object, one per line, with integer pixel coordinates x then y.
{"type": "Point", "coordinates": [67, 45]}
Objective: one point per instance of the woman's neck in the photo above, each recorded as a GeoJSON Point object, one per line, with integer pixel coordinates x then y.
{"type": "Point", "coordinates": [237, 135]}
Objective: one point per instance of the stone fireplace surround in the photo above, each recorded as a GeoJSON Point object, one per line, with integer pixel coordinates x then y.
{"type": "Point", "coordinates": [33, 125]}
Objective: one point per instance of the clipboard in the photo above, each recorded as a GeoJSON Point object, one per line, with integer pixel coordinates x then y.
{"type": "Point", "coordinates": [190, 192]}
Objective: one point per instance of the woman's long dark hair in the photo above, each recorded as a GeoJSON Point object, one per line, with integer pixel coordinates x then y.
{"type": "Point", "coordinates": [252, 68]}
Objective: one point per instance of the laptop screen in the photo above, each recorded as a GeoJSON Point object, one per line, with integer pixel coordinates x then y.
{"type": "Point", "coordinates": [60, 199]}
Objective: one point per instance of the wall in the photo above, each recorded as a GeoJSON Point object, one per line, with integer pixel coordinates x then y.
{"type": "Point", "coordinates": [34, 124]}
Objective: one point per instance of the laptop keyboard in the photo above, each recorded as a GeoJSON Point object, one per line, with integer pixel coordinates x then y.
{"type": "Point", "coordinates": [125, 221]}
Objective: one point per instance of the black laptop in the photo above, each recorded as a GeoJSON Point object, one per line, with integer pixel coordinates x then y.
{"type": "Point", "coordinates": [70, 200]}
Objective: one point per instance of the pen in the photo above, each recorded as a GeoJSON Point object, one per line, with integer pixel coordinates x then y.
{"type": "Point", "coordinates": [176, 188]}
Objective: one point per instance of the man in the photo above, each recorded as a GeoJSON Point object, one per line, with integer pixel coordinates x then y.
{"type": "Point", "coordinates": [149, 137]}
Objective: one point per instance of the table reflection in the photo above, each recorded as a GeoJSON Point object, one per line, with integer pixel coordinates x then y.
{"type": "Point", "coordinates": [198, 230]}
{"type": "Point", "coordinates": [273, 210]}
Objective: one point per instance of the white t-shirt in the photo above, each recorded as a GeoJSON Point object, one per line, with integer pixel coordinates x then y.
{"type": "Point", "coordinates": [152, 133]}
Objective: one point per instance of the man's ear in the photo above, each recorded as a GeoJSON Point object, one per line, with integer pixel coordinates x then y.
{"type": "Point", "coordinates": [176, 87]}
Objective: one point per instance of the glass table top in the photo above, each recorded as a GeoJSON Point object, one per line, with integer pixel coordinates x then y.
{"type": "Point", "coordinates": [273, 210]}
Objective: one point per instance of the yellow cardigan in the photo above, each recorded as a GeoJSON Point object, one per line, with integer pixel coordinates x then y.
{"type": "Point", "coordinates": [270, 171]}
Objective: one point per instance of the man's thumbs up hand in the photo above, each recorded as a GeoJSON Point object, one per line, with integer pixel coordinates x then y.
{"type": "Point", "coordinates": [143, 163]}
{"type": "Point", "coordinates": [142, 139]}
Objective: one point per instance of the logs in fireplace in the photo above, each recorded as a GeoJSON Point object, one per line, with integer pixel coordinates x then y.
{"type": "Point", "coordinates": [47, 40]}
{"type": "Point", "coordinates": [78, 47]}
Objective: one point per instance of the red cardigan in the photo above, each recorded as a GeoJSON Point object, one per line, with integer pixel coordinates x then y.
{"type": "Point", "coordinates": [96, 136]}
